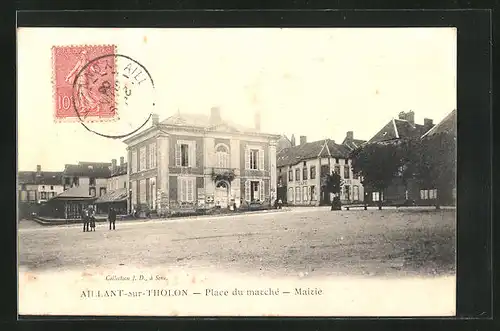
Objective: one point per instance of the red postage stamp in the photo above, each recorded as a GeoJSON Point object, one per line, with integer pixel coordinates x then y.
{"type": "Point", "coordinates": [84, 81]}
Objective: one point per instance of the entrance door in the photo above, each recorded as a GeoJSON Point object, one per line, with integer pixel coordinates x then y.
{"type": "Point", "coordinates": [221, 194]}
{"type": "Point", "coordinates": [254, 191]}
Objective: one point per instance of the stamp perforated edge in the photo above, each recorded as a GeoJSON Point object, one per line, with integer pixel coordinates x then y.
{"type": "Point", "coordinates": [76, 119]}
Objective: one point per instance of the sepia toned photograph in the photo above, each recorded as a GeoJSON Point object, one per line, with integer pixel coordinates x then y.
{"type": "Point", "coordinates": [236, 171]}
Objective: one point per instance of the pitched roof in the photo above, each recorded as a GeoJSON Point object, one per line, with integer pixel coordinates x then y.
{"type": "Point", "coordinates": [113, 196]}
{"type": "Point", "coordinates": [76, 192]}
{"type": "Point", "coordinates": [397, 129]}
{"type": "Point", "coordinates": [88, 169]}
{"type": "Point", "coordinates": [203, 121]}
{"type": "Point", "coordinates": [282, 143]}
{"type": "Point", "coordinates": [43, 178]}
{"type": "Point", "coordinates": [119, 170]}
{"type": "Point", "coordinates": [448, 124]}
{"type": "Point", "coordinates": [352, 144]}
{"type": "Point", "coordinates": [307, 151]}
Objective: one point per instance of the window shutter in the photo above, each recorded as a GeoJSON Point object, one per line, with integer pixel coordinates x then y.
{"type": "Point", "coordinates": [179, 189]}
{"type": "Point", "coordinates": [192, 154]}
{"type": "Point", "coordinates": [190, 190]}
{"type": "Point", "coordinates": [261, 159]}
{"type": "Point", "coordinates": [247, 158]}
{"type": "Point", "coordinates": [247, 190]}
{"type": "Point", "coordinates": [177, 155]}
{"type": "Point", "coordinates": [262, 190]}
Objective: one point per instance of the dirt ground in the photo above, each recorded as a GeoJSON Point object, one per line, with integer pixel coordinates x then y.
{"type": "Point", "coordinates": [314, 241]}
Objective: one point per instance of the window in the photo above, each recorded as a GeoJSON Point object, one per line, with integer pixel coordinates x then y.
{"type": "Point", "coordinates": [297, 174]}
{"type": "Point", "coordinates": [290, 194]}
{"type": "Point", "coordinates": [67, 181]}
{"type": "Point", "coordinates": [355, 175]}
{"type": "Point", "coordinates": [222, 156]}
{"type": "Point", "coordinates": [297, 194]}
{"type": "Point", "coordinates": [428, 194]}
{"type": "Point", "coordinates": [347, 171]}
{"type": "Point", "coordinates": [31, 195]}
{"type": "Point", "coordinates": [186, 189]}
{"type": "Point", "coordinates": [91, 181]}
{"type": "Point", "coordinates": [142, 159]}
{"type": "Point", "coordinates": [43, 195]}
{"type": "Point", "coordinates": [305, 193]}
{"type": "Point", "coordinates": [346, 161]}
{"type": "Point", "coordinates": [347, 192]}
{"type": "Point", "coordinates": [355, 193]}
{"type": "Point", "coordinates": [376, 196]}
{"type": "Point", "coordinates": [92, 191]}
{"type": "Point", "coordinates": [133, 162]}
{"type": "Point", "coordinates": [290, 175]}
{"type": "Point", "coordinates": [185, 153]}
{"type": "Point", "coordinates": [304, 173]}
{"type": "Point", "coordinates": [312, 170]}
{"type": "Point", "coordinates": [102, 191]}
{"type": "Point", "coordinates": [52, 187]}
{"type": "Point", "coordinates": [152, 155]}
{"type": "Point", "coordinates": [52, 194]}
{"type": "Point", "coordinates": [313, 193]}
{"type": "Point", "coordinates": [24, 195]}
{"type": "Point", "coordinates": [254, 155]}
{"type": "Point", "coordinates": [142, 191]}
{"type": "Point", "coordinates": [124, 184]}
{"type": "Point", "coordinates": [337, 160]}
{"type": "Point", "coordinates": [43, 187]}
{"type": "Point", "coordinates": [337, 169]}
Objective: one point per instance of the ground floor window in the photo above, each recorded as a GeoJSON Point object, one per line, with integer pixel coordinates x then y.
{"type": "Point", "coordinates": [31, 195]}
{"type": "Point", "coordinates": [428, 194]}
{"type": "Point", "coordinates": [355, 193]}
{"type": "Point", "coordinates": [43, 195]}
{"type": "Point", "coordinates": [186, 190]}
{"type": "Point", "coordinates": [290, 194]}
{"type": "Point", "coordinates": [347, 192]}
{"type": "Point", "coordinates": [297, 194]}
{"type": "Point", "coordinates": [305, 193]}
{"type": "Point", "coordinates": [313, 193]}
{"type": "Point", "coordinates": [376, 196]}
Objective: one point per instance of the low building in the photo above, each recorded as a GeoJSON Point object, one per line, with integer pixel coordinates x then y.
{"type": "Point", "coordinates": [69, 204]}
{"type": "Point", "coordinates": [193, 161]}
{"type": "Point", "coordinates": [302, 167]}
{"type": "Point", "coordinates": [116, 189]}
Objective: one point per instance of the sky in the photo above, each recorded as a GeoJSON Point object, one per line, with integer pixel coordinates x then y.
{"type": "Point", "coordinates": [314, 82]}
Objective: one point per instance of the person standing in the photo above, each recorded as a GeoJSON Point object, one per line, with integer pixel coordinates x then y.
{"type": "Point", "coordinates": [112, 217]}
{"type": "Point", "coordinates": [85, 218]}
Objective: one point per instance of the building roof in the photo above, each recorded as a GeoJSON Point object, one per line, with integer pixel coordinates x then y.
{"type": "Point", "coordinates": [42, 178]}
{"type": "Point", "coordinates": [352, 144]}
{"type": "Point", "coordinates": [113, 196]}
{"type": "Point", "coordinates": [282, 143]}
{"type": "Point", "coordinates": [203, 121]}
{"type": "Point", "coordinates": [312, 150]}
{"type": "Point", "coordinates": [448, 124]}
{"type": "Point", "coordinates": [397, 129]}
{"type": "Point", "coordinates": [88, 169]}
{"type": "Point", "coordinates": [119, 170]}
{"type": "Point", "coordinates": [76, 192]}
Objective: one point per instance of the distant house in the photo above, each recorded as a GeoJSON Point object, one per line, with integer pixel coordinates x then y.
{"type": "Point", "coordinates": [352, 143]}
{"type": "Point", "coordinates": [93, 175]}
{"type": "Point", "coordinates": [116, 189]}
{"type": "Point", "coordinates": [398, 192]}
{"type": "Point", "coordinates": [282, 143]}
{"type": "Point", "coordinates": [302, 167]}
{"type": "Point", "coordinates": [38, 186]}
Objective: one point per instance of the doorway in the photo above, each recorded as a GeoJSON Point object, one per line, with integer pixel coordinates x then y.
{"type": "Point", "coordinates": [221, 194]}
{"type": "Point", "coordinates": [254, 191]}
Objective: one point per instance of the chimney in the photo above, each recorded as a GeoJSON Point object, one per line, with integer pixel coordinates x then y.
{"type": "Point", "coordinates": [303, 140]}
{"type": "Point", "coordinates": [156, 119]}
{"type": "Point", "coordinates": [113, 165]}
{"type": "Point", "coordinates": [122, 160]}
{"type": "Point", "coordinates": [292, 140]}
{"type": "Point", "coordinates": [215, 117]}
{"type": "Point", "coordinates": [38, 170]}
{"type": "Point", "coordinates": [350, 135]}
{"type": "Point", "coordinates": [402, 115]}
{"type": "Point", "coordinates": [428, 123]}
{"type": "Point", "coordinates": [257, 121]}
{"type": "Point", "coordinates": [410, 117]}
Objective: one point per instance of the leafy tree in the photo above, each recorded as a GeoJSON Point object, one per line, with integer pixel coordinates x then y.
{"type": "Point", "coordinates": [436, 165]}
{"type": "Point", "coordinates": [333, 183]}
{"type": "Point", "coordinates": [377, 164]}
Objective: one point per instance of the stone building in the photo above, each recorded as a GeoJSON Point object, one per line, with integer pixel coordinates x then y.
{"type": "Point", "coordinates": [195, 161]}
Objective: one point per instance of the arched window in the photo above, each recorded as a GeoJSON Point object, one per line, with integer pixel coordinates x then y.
{"type": "Point", "coordinates": [222, 156]}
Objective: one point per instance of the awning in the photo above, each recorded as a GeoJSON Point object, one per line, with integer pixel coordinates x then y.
{"type": "Point", "coordinates": [113, 196]}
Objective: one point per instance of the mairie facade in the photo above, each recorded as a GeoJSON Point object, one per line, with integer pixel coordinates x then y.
{"type": "Point", "coordinates": [191, 161]}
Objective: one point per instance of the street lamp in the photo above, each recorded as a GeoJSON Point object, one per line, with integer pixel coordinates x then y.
{"type": "Point", "coordinates": [130, 201]}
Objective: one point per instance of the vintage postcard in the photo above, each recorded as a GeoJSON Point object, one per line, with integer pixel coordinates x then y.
{"type": "Point", "coordinates": [237, 171]}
